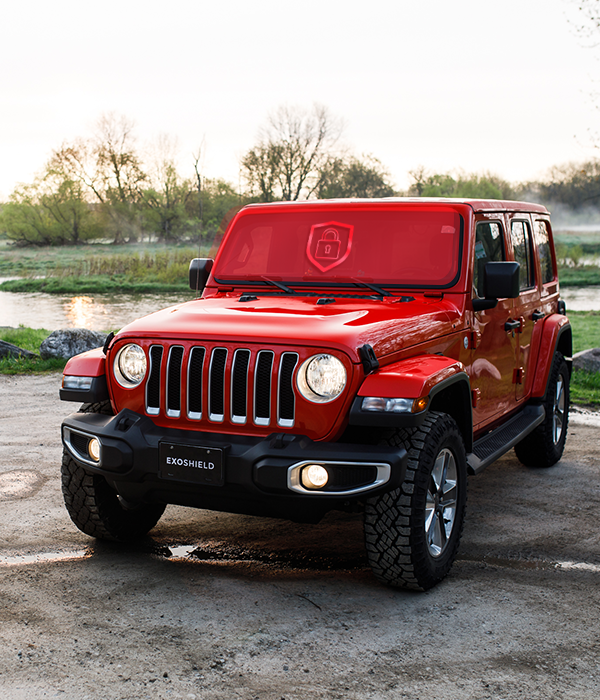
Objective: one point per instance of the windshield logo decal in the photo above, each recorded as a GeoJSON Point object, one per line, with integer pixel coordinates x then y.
{"type": "Point", "coordinates": [329, 244]}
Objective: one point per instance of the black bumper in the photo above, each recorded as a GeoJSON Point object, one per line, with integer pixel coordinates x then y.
{"type": "Point", "coordinates": [260, 476]}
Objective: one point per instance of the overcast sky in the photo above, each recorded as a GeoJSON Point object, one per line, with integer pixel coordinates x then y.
{"type": "Point", "coordinates": [469, 85]}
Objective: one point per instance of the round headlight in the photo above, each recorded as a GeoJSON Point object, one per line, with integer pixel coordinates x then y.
{"type": "Point", "coordinates": [321, 378]}
{"type": "Point", "coordinates": [130, 365]}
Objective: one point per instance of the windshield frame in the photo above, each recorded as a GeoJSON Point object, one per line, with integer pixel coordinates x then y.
{"type": "Point", "coordinates": [346, 283]}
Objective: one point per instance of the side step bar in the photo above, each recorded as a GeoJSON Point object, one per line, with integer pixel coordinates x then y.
{"type": "Point", "coordinates": [500, 440]}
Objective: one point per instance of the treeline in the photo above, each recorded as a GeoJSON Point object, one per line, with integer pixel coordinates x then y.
{"type": "Point", "coordinates": [106, 188]}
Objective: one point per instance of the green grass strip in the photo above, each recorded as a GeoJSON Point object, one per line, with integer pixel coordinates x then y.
{"type": "Point", "coordinates": [585, 388]}
{"type": "Point", "coordinates": [95, 285]}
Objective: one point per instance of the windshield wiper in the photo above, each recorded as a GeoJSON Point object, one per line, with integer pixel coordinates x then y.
{"type": "Point", "coordinates": [283, 287]}
{"type": "Point", "coordinates": [373, 287]}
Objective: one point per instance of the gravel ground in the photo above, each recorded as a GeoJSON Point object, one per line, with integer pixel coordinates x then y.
{"type": "Point", "coordinates": [221, 606]}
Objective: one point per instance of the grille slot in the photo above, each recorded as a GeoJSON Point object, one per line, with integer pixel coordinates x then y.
{"type": "Point", "coordinates": [262, 387]}
{"type": "Point", "coordinates": [239, 386]}
{"type": "Point", "coordinates": [286, 397]}
{"type": "Point", "coordinates": [216, 385]}
{"type": "Point", "coordinates": [153, 384]}
{"type": "Point", "coordinates": [194, 383]}
{"type": "Point", "coordinates": [174, 381]}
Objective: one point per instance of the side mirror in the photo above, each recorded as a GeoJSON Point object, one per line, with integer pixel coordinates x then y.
{"type": "Point", "coordinates": [199, 272]}
{"type": "Point", "coordinates": [501, 281]}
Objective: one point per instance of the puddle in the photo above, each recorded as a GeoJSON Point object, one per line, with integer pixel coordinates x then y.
{"type": "Point", "coordinates": [20, 483]}
{"type": "Point", "coordinates": [216, 553]}
{"type": "Point", "coordinates": [531, 564]}
{"type": "Point", "coordinates": [584, 416]}
{"type": "Point", "coordinates": [287, 559]}
{"type": "Point", "coordinates": [44, 557]}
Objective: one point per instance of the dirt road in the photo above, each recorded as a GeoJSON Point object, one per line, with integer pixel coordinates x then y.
{"type": "Point", "coordinates": [220, 606]}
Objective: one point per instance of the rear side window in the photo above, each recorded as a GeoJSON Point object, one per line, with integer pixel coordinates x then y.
{"type": "Point", "coordinates": [522, 246]}
{"type": "Point", "coordinates": [542, 240]}
{"type": "Point", "coordinates": [488, 248]}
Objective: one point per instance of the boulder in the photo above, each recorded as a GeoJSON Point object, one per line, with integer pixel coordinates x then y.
{"type": "Point", "coordinates": [69, 342]}
{"type": "Point", "coordinates": [10, 350]}
{"type": "Point", "coordinates": [588, 360]}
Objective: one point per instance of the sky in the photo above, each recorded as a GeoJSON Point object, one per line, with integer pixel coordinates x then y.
{"type": "Point", "coordinates": [448, 85]}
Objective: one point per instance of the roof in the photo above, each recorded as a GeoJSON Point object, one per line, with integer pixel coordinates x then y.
{"type": "Point", "coordinates": [478, 205]}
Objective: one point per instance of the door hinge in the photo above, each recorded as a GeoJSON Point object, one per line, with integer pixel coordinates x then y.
{"type": "Point", "coordinates": [475, 396]}
{"type": "Point", "coordinates": [518, 375]}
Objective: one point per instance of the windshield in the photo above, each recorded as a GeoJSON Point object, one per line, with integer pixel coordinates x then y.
{"type": "Point", "coordinates": [402, 247]}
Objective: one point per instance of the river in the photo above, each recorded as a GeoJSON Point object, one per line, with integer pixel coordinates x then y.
{"type": "Point", "coordinates": [103, 312]}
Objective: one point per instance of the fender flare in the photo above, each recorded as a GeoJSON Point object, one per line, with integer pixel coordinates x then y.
{"type": "Point", "coordinates": [443, 379]}
{"type": "Point", "coordinates": [88, 364]}
{"type": "Point", "coordinates": [556, 336]}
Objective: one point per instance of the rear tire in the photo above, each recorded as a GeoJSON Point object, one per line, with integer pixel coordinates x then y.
{"type": "Point", "coordinates": [95, 507]}
{"type": "Point", "coordinates": [412, 534]}
{"type": "Point", "coordinates": [545, 445]}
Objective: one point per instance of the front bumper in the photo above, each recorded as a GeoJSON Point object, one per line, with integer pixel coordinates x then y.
{"type": "Point", "coordinates": [260, 476]}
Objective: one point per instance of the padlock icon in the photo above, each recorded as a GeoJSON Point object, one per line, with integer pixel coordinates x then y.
{"type": "Point", "coordinates": [328, 248]}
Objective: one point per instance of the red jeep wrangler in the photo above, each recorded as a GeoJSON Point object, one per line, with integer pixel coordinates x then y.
{"type": "Point", "coordinates": [350, 354]}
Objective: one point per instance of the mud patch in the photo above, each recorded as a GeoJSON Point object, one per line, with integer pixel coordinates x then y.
{"type": "Point", "coordinates": [20, 483]}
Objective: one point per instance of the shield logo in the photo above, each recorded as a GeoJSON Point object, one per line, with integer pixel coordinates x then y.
{"type": "Point", "coordinates": [329, 244]}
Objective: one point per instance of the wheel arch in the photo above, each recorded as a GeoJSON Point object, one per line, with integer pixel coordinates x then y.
{"type": "Point", "coordinates": [443, 379]}
{"type": "Point", "coordinates": [557, 336]}
{"type": "Point", "coordinates": [453, 397]}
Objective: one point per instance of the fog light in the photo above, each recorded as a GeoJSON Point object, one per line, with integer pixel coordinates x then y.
{"type": "Point", "coordinates": [314, 476]}
{"type": "Point", "coordinates": [94, 449]}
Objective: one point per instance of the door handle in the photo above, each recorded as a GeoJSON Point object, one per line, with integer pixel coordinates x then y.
{"type": "Point", "coordinates": [537, 316]}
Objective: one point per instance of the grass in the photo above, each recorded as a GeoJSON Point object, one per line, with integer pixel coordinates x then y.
{"type": "Point", "coordinates": [27, 339]}
{"type": "Point", "coordinates": [585, 388]}
{"type": "Point", "coordinates": [586, 329]}
{"type": "Point", "coordinates": [580, 276]}
{"type": "Point", "coordinates": [98, 284]}
{"type": "Point", "coordinates": [98, 269]}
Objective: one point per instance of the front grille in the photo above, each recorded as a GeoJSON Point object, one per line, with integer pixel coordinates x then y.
{"type": "Point", "coordinates": [218, 384]}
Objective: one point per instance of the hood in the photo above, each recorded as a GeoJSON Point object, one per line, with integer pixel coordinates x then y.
{"type": "Point", "coordinates": [346, 324]}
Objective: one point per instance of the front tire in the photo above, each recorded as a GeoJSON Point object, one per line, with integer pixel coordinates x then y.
{"type": "Point", "coordinates": [545, 445]}
{"type": "Point", "coordinates": [412, 534]}
{"type": "Point", "coordinates": [95, 507]}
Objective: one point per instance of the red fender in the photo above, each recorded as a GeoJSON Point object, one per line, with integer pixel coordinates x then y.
{"type": "Point", "coordinates": [89, 364]}
{"type": "Point", "coordinates": [411, 378]}
{"type": "Point", "coordinates": [554, 326]}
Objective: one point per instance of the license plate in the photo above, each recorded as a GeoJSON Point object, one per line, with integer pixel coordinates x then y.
{"type": "Point", "coordinates": [198, 465]}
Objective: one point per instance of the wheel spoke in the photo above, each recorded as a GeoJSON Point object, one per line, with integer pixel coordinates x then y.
{"type": "Point", "coordinates": [436, 536]}
{"type": "Point", "coordinates": [558, 411]}
{"type": "Point", "coordinates": [439, 470]}
{"type": "Point", "coordinates": [440, 507]}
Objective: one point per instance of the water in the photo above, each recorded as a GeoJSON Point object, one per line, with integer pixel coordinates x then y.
{"type": "Point", "coordinates": [100, 312]}
{"type": "Point", "coordinates": [581, 298]}
{"type": "Point", "coordinates": [104, 312]}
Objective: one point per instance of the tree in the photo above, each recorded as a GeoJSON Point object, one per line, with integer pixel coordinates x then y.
{"type": "Point", "coordinates": [109, 166]}
{"type": "Point", "coordinates": [293, 150]}
{"type": "Point", "coordinates": [467, 186]}
{"type": "Point", "coordinates": [574, 184]}
{"type": "Point", "coordinates": [51, 211]}
{"type": "Point", "coordinates": [163, 200]}
{"type": "Point", "coordinates": [351, 177]}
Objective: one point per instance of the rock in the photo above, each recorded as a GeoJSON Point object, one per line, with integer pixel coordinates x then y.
{"type": "Point", "coordinates": [69, 342]}
{"type": "Point", "coordinates": [10, 350]}
{"type": "Point", "coordinates": [588, 360]}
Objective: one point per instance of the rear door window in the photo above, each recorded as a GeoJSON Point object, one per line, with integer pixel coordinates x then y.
{"type": "Point", "coordinates": [523, 249]}
{"type": "Point", "coordinates": [542, 240]}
